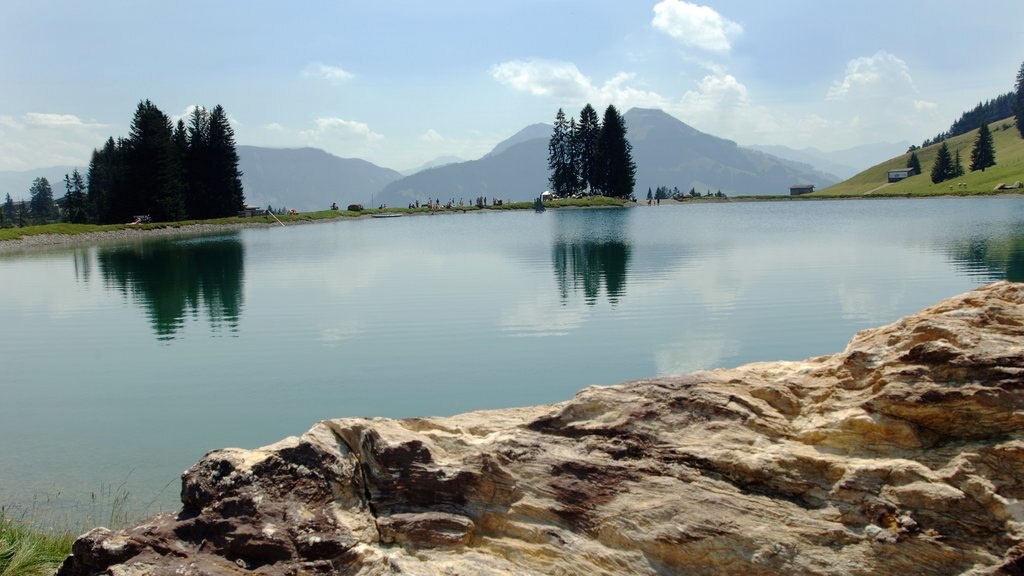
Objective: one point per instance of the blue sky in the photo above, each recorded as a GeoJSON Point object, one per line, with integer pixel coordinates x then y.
{"type": "Point", "coordinates": [402, 83]}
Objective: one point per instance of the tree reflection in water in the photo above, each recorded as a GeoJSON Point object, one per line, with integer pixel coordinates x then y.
{"type": "Point", "coordinates": [591, 248]}
{"type": "Point", "coordinates": [171, 279]}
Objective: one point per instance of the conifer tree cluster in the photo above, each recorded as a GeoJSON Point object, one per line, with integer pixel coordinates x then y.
{"type": "Point", "coordinates": [946, 167]}
{"type": "Point", "coordinates": [591, 156]}
{"type": "Point", "coordinates": [168, 172]}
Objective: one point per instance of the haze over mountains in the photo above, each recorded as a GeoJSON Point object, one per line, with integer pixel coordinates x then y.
{"type": "Point", "coordinates": [843, 163]}
{"type": "Point", "coordinates": [308, 178]}
{"type": "Point", "coordinates": [667, 152]}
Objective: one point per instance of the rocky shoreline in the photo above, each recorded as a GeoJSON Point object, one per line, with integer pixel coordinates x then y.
{"type": "Point", "coordinates": [48, 241]}
{"type": "Point", "coordinates": [903, 454]}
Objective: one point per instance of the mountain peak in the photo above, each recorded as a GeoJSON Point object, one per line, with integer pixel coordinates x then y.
{"type": "Point", "coordinates": [539, 130]}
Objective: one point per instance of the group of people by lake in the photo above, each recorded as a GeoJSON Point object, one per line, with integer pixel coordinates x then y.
{"type": "Point", "coordinates": [435, 203]}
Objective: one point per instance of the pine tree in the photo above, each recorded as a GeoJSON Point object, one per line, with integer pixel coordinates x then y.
{"type": "Point", "coordinates": [74, 198]}
{"type": "Point", "coordinates": [560, 158]}
{"type": "Point", "coordinates": [914, 163]}
{"type": "Point", "coordinates": [588, 133]}
{"type": "Point", "coordinates": [154, 170]}
{"type": "Point", "coordinates": [106, 178]}
{"type": "Point", "coordinates": [197, 164]}
{"type": "Point", "coordinates": [958, 166]}
{"type": "Point", "coordinates": [41, 207]}
{"type": "Point", "coordinates": [984, 154]}
{"type": "Point", "coordinates": [1018, 106]}
{"type": "Point", "coordinates": [615, 164]}
{"type": "Point", "coordinates": [8, 208]}
{"type": "Point", "coordinates": [942, 170]}
{"type": "Point", "coordinates": [225, 179]}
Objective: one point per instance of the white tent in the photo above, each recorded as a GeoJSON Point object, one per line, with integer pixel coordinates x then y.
{"type": "Point", "coordinates": [547, 195]}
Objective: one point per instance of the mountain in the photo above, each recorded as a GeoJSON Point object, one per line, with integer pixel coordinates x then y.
{"type": "Point", "coordinates": [519, 171]}
{"type": "Point", "coordinates": [308, 178]}
{"type": "Point", "coordinates": [18, 182]}
{"type": "Point", "coordinates": [531, 132]}
{"type": "Point", "coordinates": [843, 163]}
{"type": "Point", "coordinates": [670, 153]}
{"type": "Point", "coordinates": [436, 162]}
{"type": "Point", "coordinates": [667, 153]}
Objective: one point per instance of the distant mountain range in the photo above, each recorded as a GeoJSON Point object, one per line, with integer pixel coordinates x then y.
{"type": "Point", "coordinates": [667, 152]}
{"type": "Point", "coordinates": [439, 161]}
{"type": "Point", "coordinates": [308, 178]}
{"type": "Point", "coordinates": [843, 163]}
{"type": "Point", "coordinates": [18, 182]}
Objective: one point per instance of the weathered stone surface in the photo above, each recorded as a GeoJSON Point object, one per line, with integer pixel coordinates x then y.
{"type": "Point", "coordinates": [903, 454]}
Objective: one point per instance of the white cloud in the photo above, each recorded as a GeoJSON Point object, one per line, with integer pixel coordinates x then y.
{"type": "Point", "coordinates": [431, 136]}
{"type": "Point", "coordinates": [880, 75]}
{"type": "Point", "coordinates": [342, 137]}
{"type": "Point", "coordinates": [273, 127]}
{"type": "Point", "coordinates": [322, 71]}
{"type": "Point", "coordinates": [925, 105]}
{"type": "Point", "coordinates": [715, 94]}
{"type": "Point", "coordinates": [560, 80]}
{"type": "Point", "coordinates": [37, 139]}
{"type": "Point", "coordinates": [326, 127]}
{"type": "Point", "coordinates": [54, 120]}
{"type": "Point", "coordinates": [564, 82]}
{"type": "Point", "coordinates": [694, 25]}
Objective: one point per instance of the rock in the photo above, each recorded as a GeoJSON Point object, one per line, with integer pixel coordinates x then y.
{"type": "Point", "coordinates": [903, 454]}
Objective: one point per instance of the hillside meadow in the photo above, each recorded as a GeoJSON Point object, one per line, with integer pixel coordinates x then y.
{"type": "Point", "coordinates": [1009, 168]}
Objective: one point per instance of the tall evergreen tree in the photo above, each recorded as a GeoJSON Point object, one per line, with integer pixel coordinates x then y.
{"type": "Point", "coordinates": [8, 208]}
{"type": "Point", "coordinates": [106, 178]}
{"type": "Point", "coordinates": [958, 166]}
{"type": "Point", "coordinates": [225, 179]}
{"type": "Point", "coordinates": [983, 155]}
{"type": "Point", "coordinates": [942, 170]}
{"type": "Point", "coordinates": [563, 172]}
{"type": "Point", "coordinates": [154, 170]}
{"type": "Point", "coordinates": [588, 132]}
{"type": "Point", "coordinates": [1018, 101]}
{"type": "Point", "coordinates": [74, 198]}
{"type": "Point", "coordinates": [197, 162]}
{"type": "Point", "coordinates": [41, 206]}
{"type": "Point", "coordinates": [615, 157]}
{"type": "Point", "coordinates": [914, 163]}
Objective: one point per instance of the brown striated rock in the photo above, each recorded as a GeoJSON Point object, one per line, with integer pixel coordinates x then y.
{"type": "Point", "coordinates": [903, 454]}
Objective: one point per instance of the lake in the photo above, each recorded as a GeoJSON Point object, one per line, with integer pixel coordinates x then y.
{"type": "Point", "coordinates": [123, 364]}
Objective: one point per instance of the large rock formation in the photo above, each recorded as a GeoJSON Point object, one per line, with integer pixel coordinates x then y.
{"type": "Point", "coordinates": [904, 454]}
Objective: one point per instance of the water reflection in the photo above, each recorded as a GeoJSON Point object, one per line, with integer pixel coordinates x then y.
{"type": "Point", "coordinates": [992, 257]}
{"type": "Point", "coordinates": [172, 279]}
{"type": "Point", "coordinates": [591, 248]}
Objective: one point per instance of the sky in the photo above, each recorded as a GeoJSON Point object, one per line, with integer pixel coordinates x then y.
{"type": "Point", "coordinates": [402, 83]}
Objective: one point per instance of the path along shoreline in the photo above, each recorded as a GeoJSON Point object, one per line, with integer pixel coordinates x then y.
{"type": "Point", "coordinates": [56, 241]}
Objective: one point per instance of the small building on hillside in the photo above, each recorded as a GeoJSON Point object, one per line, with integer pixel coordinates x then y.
{"type": "Point", "coordinates": [798, 189]}
{"type": "Point", "coordinates": [900, 174]}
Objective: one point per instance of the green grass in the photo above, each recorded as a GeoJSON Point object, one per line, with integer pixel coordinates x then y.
{"type": "Point", "coordinates": [73, 229]}
{"type": "Point", "coordinates": [1009, 168]}
{"type": "Point", "coordinates": [26, 551]}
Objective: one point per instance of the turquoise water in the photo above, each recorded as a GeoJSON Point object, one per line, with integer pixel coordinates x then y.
{"type": "Point", "coordinates": [123, 364]}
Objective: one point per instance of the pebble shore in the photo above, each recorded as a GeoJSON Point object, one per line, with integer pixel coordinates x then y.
{"type": "Point", "coordinates": [45, 241]}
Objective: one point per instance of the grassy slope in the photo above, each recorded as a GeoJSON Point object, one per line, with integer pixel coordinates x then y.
{"type": "Point", "coordinates": [1009, 168]}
